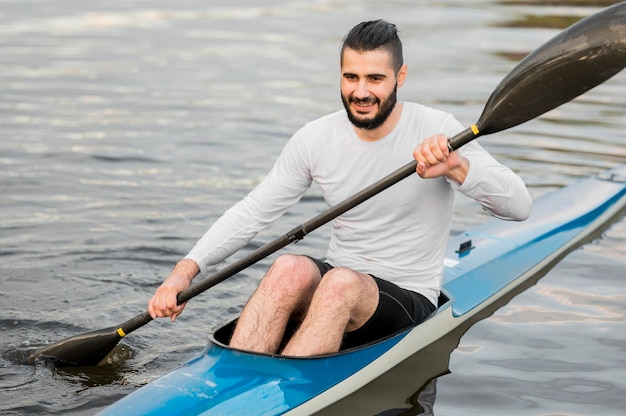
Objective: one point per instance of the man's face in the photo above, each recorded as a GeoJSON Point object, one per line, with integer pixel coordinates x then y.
{"type": "Point", "coordinates": [368, 87]}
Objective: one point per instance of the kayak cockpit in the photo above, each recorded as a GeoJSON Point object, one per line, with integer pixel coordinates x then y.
{"type": "Point", "coordinates": [221, 336]}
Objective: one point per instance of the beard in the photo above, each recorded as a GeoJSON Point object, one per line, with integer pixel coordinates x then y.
{"type": "Point", "coordinates": [385, 108]}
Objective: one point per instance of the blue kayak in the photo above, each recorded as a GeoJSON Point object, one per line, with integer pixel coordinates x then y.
{"type": "Point", "coordinates": [491, 262]}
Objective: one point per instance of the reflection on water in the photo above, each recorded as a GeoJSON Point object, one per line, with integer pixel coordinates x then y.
{"type": "Point", "coordinates": [422, 402]}
{"type": "Point", "coordinates": [571, 306]}
{"type": "Point", "coordinates": [128, 127]}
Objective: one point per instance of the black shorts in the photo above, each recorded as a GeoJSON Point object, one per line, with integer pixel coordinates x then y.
{"type": "Point", "coordinates": [397, 309]}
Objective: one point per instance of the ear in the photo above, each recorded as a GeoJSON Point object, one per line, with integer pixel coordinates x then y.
{"type": "Point", "coordinates": [402, 74]}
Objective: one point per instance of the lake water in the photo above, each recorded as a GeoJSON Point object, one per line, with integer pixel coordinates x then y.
{"type": "Point", "coordinates": [127, 127]}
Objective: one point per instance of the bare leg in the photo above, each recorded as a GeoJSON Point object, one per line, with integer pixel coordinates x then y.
{"type": "Point", "coordinates": [286, 289]}
{"type": "Point", "coordinates": [343, 301]}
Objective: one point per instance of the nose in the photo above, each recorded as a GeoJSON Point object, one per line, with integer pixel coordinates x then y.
{"type": "Point", "coordinates": [362, 91]}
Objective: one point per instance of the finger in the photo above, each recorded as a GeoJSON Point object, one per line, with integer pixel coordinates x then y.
{"type": "Point", "coordinates": [428, 155]}
{"type": "Point", "coordinates": [171, 302]}
{"type": "Point", "coordinates": [154, 307]}
{"type": "Point", "coordinates": [422, 170]}
{"type": "Point", "coordinates": [439, 148]}
{"type": "Point", "coordinates": [429, 152]}
{"type": "Point", "coordinates": [443, 145]}
{"type": "Point", "coordinates": [151, 309]}
{"type": "Point", "coordinates": [178, 312]}
{"type": "Point", "coordinates": [174, 316]}
{"type": "Point", "coordinates": [158, 308]}
{"type": "Point", "coordinates": [162, 305]}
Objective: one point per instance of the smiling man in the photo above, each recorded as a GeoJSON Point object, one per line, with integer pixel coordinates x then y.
{"type": "Point", "coordinates": [384, 264]}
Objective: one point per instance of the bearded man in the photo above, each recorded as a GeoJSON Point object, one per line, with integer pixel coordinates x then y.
{"type": "Point", "coordinates": [383, 268]}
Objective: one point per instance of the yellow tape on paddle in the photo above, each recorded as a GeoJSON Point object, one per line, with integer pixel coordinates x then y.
{"type": "Point", "coordinates": [121, 332]}
{"type": "Point", "coordinates": [475, 129]}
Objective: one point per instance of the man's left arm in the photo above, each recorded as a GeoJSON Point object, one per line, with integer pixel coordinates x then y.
{"type": "Point", "coordinates": [474, 172]}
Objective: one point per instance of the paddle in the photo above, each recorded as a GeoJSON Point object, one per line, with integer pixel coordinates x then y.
{"type": "Point", "coordinates": [579, 58]}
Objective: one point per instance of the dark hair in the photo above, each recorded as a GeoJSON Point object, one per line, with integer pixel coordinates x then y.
{"type": "Point", "coordinates": [368, 36]}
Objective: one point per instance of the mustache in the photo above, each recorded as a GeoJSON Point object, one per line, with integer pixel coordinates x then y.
{"type": "Point", "coordinates": [366, 101]}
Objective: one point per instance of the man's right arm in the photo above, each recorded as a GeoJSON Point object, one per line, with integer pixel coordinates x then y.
{"type": "Point", "coordinates": [282, 187]}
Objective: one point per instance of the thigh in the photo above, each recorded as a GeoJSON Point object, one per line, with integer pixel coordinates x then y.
{"type": "Point", "coordinates": [397, 309]}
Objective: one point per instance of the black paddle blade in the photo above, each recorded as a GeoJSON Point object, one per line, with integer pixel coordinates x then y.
{"type": "Point", "coordinates": [581, 57]}
{"type": "Point", "coordinates": [80, 350]}
{"type": "Point", "coordinates": [91, 347]}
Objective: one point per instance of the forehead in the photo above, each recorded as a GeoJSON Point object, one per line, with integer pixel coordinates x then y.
{"type": "Point", "coordinates": [366, 62]}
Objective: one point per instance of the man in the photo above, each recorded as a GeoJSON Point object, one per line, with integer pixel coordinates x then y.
{"type": "Point", "coordinates": [384, 263]}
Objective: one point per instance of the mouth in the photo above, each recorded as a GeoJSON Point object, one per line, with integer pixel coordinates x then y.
{"type": "Point", "coordinates": [364, 106]}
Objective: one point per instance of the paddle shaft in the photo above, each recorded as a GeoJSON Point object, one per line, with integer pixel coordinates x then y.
{"type": "Point", "coordinates": [302, 230]}
{"type": "Point", "coordinates": [297, 233]}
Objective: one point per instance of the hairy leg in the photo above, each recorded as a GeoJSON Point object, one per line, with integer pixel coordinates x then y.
{"type": "Point", "coordinates": [343, 301]}
{"type": "Point", "coordinates": [286, 290]}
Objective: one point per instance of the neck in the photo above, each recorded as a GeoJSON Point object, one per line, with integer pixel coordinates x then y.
{"type": "Point", "coordinates": [378, 133]}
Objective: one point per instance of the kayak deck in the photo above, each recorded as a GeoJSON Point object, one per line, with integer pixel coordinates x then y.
{"type": "Point", "coordinates": [513, 246]}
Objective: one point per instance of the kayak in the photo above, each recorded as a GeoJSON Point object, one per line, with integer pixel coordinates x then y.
{"type": "Point", "coordinates": [483, 267]}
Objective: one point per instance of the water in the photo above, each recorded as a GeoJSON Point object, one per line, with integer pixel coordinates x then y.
{"type": "Point", "coordinates": [128, 127]}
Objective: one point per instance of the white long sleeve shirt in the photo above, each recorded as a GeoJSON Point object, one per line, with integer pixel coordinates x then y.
{"type": "Point", "coordinates": [400, 234]}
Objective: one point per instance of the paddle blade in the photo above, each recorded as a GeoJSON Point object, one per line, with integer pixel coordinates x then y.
{"type": "Point", "coordinates": [91, 347]}
{"type": "Point", "coordinates": [80, 350]}
{"type": "Point", "coordinates": [581, 57]}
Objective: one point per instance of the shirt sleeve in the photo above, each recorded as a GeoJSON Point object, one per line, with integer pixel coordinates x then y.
{"type": "Point", "coordinates": [281, 188]}
{"type": "Point", "coordinates": [499, 190]}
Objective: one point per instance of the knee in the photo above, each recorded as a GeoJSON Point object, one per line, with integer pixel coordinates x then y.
{"type": "Point", "coordinates": [341, 283]}
{"type": "Point", "coordinates": [291, 272]}
{"type": "Point", "coordinates": [347, 293]}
